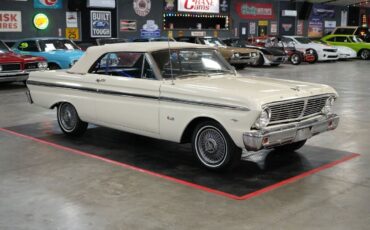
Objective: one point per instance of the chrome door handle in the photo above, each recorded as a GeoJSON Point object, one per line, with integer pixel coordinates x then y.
{"type": "Point", "coordinates": [100, 80]}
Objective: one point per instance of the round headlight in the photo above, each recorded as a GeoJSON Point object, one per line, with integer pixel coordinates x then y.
{"type": "Point", "coordinates": [264, 119]}
{"type": "Point", "coordinates": [42, 65]}
{"type": "Point", "coordinates": [254, 54]}
{"type": "Point", "coordinates": [327, 109]}
{"type": "Point", "coordinates": [236, 55]}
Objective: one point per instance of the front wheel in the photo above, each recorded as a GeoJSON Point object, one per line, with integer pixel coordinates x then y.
{"type": "Point", "coordinates": [214, 148]}
{"type": "Point", "coordinates": [296, 59]}
{"type": "Point", "coordinates": [365, 54]}
{"type": "Point", "coordinates": [69, 121]}
{"type": "Point", "coordinates": [291, 147]}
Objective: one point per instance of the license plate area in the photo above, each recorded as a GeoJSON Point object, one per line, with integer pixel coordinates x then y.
{"type": "Point", "coordinates": [303, 134]}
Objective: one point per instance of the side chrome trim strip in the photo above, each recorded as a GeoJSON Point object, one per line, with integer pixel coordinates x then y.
{"type": "Point", "coordinates": [117, 93]}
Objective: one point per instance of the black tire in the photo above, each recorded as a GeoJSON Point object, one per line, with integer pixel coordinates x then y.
{"type": "Point", "coordinates": [69, 121]}
{"type": "Point", "coordinates": [53, 66]}
{"type": "Point", "coordinates": [364, 54]}
{"type": "Point", "coordinates": [240, 66]}
{"type": "Point", "coordinates": [213, 147]}
{"type": "Point", "coordinates": [291, 147]}
{"type": "Point", "coordinates": [260, 61]}
{"type": "Point", "coordinates": [296, 59]}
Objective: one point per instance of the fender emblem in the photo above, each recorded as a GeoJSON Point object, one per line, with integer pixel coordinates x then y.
{"type": "Point", "coordinates": [296, 88]}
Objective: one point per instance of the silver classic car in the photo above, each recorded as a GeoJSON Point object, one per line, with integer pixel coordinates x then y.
{"type": "Point", "coordinates": [184, 92]}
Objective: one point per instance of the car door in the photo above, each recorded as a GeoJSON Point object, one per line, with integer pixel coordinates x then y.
{"type": "Point", "coordinates": [128, 93]}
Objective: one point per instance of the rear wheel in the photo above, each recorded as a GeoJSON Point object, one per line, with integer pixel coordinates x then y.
{"type": "Point", "coordinates": [53, 66]}
{"type": "Point", "coordinates": [291, 147]}
{"type": "Point", "coordinates": [296, 59]}
{"type": "Point", "coordinates": [69, 121]}
{"type": "Point", "coordinates": [214, 148]}
{"type": "Point", "coordinates": [365, 54]}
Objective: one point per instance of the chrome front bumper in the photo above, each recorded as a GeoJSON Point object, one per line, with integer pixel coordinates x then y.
{"type": "Point", "coordinates": [288, 133]}
{"type": "Point", "coordinates": [243, 60]}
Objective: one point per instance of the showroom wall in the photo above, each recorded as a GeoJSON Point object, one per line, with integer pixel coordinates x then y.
{"type": "Point", "coordinates": [56, 26]}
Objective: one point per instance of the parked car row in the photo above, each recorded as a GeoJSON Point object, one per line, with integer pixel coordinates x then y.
{"type": "Point", "coordinates": [59, 53]}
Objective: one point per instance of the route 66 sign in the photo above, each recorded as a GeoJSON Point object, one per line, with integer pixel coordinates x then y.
{"type": "Point", "coordinates": [142, 7]}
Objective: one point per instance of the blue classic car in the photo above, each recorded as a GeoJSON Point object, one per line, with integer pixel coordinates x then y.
{"type": "Point", "coordinates": [60, 53]}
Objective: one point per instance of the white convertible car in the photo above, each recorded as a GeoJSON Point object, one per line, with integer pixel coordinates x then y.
{"type": "Point", "coordinates": [187, 93]}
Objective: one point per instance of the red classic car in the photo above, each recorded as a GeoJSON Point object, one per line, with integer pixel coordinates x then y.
{"type": "Point", "coordinates": [15, 67]}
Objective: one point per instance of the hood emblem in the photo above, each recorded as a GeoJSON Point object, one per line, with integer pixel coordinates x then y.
{"type": "Point", "coordinates": [297, 88]}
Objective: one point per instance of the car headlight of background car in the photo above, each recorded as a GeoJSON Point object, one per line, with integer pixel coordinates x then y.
{"type": "Point", "coordinates": [42, 65]}
{"type": "Point", "coordinates": [254, 54]}
{"type": "Point", "coordinates": [328, 108]}
{"type": "Point", "coordinates": [263, 119]}
{"type": "Point", "coordinates": [236, 55]}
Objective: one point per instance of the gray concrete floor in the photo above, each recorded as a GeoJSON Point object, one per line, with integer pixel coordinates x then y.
{"type": "Point", "coordinates": [42, 187]}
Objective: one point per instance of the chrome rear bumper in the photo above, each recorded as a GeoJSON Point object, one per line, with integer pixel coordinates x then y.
{"type": "Point", "coordinates": [288, 133]}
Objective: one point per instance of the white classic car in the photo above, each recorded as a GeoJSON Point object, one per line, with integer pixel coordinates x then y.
{"type": "Point", "coordinates": [185, 93]}
{"type": "Point", "coordinates": [304, 44]}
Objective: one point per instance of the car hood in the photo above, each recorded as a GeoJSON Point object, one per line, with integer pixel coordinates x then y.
{"type": "Point", "coordinates": [65, 54]}
{"type": "Point", "coordinates": [10, 57]}
{"type": "Point", "coordinates": [237, 49]}
{"type": "Point", "coordinates": [250, 92]}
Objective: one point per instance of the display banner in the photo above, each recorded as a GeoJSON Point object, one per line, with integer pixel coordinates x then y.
{"type": "Point", "coordinates": [198, 6]}
{"type": "Point", "coordinates": [48, 4]}
{"type": "Point", "coordinates": [300, 27]}
{"type": "Point", "coordinates": [273, 28]}
{"type": "Point", "coordinates": [10, 21]}
{"type": "Point", "coordinates": [315, 28]}
{"type": "Point", "coordinates": [322, 11]}
{"type": "Point", "coordinates": [250, 10]}
{"type": "Point", "coordinates": [101, 24]}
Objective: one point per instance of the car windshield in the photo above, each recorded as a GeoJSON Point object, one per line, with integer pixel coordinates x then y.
{"type": "Point", "coordinates": [212, 41]}
{"type": "Point", "coordinates": [303, 40]}
{"type": "Point", "coordinates": [356, 39]}
{"type": "Point", "coordinates": [3, 48]}
{"type": "Point", "coordinates": [57, 44]}
{"type": "Point", "coordinates": [190, 63]}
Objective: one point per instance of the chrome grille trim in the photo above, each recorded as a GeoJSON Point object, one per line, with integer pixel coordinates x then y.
{"type": "Point", "coordinates": [297, 109]}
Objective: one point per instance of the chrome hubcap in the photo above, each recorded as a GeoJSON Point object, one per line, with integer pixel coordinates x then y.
{"type": "Point", "coordinates": [295, 58]}
{"type": "Point", "coordinates": [365, 54]}
{"type": "Point", "coordinates": [68, 117]}
{"type": "Point", "coordinates": [211, 146]}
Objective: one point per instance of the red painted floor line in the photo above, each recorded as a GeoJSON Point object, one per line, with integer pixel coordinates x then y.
{"type": "Point", "coordinates": [183, 182]}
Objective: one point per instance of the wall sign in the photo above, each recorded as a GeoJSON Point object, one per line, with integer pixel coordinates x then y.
{"type": "Point", "coordinates": [73, 33]}
{"type": "Point", "coordinates": [102, 3]}
{"type": "Point", "coordinates": [323, 11]}
{"type": "Point", "coordinates": [142, 7]}
{"type": "Point", "coordinates": [289, 13]}
{"type": "Point", "coordinates": [127, 25]}
{"type": "Point", "coordinates": [198, 33]}
{"type": "Point", "coordinates": [169, 5]}
{"type": "Point", "coordinates": [287, 26]}
{"type": "Point", "coordinates": [199, 6]}
{"type": "Point", "coordinates": [100, 24]}
{"type": "Point", "coordinates": [71, 19]}
{"type": "Point", "coordinates": [252, 28]}
{"type": "Point", "coordinates": [48, 4]}
{"type": "Point", "coordinates": [10, 21]}
{"type": "Point", "coordinates": [273, 28]}
{"type": "Point", "coordinates": [249, 10]}
{"type": "Point", "coordinates": [150, 30]}
{"type": "Point", "coordinates": [41, 21]}
{"type": "Point", "coordinates": [224, 6]}
{"type": "Point", "coordinates": [300, 27]}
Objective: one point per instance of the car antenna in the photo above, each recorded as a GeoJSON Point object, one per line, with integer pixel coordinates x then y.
{"type": "Point", "coordinates": [169, 57]}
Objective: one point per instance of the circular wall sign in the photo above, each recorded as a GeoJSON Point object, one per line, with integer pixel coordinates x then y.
{"type": "Point", "coordinates": [41, 21]}
{"type": "Point", "coordinates": [142, 7]}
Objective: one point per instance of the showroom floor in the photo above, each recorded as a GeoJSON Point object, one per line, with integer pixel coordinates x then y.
{"type": "Point", "coordinates": [46, 187]}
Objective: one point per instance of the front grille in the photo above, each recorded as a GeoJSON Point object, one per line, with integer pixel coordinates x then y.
{"type": "Point", "coordinates": [332, 56]}
{"type": "Point", "coordinates": [32, 65]}
{"type": "Point", "coordinates": [293, 110]}
{"type": "Point", "coordinates": [286, 111]}
{"type": "Point", "coordinates": [11, 67]}
{"type": "Point", "coordinates": [330, 50]}
{"type": "Point", "coordinates": [245, 55]}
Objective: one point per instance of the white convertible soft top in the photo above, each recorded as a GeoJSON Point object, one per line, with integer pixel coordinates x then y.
{"type": "Point", "coordinates": [95, 52]}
